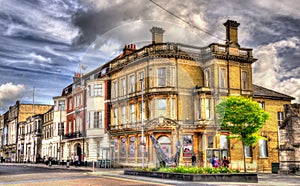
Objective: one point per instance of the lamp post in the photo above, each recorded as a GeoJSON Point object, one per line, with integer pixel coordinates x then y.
{"type": "Point", "coordinates": [143, 144]}
{"type": "Point", "coordinates": [59, 132]}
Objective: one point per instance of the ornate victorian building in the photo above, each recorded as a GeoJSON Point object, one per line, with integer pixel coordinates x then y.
{"type": "Point", "coordinates": [170, 90]}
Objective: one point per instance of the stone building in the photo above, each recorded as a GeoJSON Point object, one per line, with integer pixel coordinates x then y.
{"type": "Point", "coordinates": [170, 90]}
{"type": "Point", "coordinates": [16, 114]}
{"type": "Point", "coordinates": [290, 139]}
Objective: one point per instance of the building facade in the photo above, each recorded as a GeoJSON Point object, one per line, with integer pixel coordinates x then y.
{"type": "Point", "coordinates": [170, 90]}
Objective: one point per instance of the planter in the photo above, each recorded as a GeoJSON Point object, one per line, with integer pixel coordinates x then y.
{"type": "Point", "coordinates": [222, 177]}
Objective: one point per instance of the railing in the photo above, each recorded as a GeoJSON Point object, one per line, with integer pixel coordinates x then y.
{"type": "Point", "coordinates": [73, 135]}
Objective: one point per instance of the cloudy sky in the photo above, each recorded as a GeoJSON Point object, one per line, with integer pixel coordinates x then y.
{"type": "Point", "coordinates": [42, 42]}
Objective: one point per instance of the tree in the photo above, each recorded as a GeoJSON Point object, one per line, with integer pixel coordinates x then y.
{"type": "Point", "coordinates": [243, 118]}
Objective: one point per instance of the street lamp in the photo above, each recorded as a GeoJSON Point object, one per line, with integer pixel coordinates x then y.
{"type": "Point", "coordinates": [143, 144]}
{"type": "Point", "coordinates": [59, 132]}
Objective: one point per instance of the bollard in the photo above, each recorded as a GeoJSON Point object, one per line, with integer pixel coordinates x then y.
{"type": "Point", "coordinates": [68, 163]}
{"type": "Point", "coordinates": [50, 163]}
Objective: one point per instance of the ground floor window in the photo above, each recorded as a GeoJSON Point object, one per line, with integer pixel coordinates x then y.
{"type": "Point", "coordinates": [187, 146]}
{"type": "Point", "coordinates": [123, 147]}
{"type": "Point", "coordinates": [132, 145]}
{"type": "Point", "coordinates": [165, 144]}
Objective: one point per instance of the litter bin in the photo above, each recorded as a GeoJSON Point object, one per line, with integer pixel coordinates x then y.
{"type": "Point", "coordinates": [275, 168]}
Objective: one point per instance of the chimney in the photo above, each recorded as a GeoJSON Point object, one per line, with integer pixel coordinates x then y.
{"type": "Point", "coordinates": [157, 35]}
{"type": "Point", "coordinates": [232, 33]}
{"type": "Point", "coordinates": [129, 49]}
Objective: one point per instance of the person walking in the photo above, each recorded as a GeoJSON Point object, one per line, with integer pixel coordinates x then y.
{"type": "Point", "coordinates": [214, 161]}
{"type": "Point", "coordinates": [193, 160]}
{"type": "Point", "coordinates": [76, 160]}
{"type": "Point", "coordinates": [225, 162]}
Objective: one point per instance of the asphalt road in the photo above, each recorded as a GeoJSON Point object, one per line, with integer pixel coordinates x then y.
{"type": "Point", "coordinates": [39, 176]}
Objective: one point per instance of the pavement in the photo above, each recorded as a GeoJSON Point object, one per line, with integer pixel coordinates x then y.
{"type": "Point", "coordinates": [265, 179]}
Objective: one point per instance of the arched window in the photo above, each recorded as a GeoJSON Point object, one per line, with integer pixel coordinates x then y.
{"type": "Point", "coordinates": [165, 144]}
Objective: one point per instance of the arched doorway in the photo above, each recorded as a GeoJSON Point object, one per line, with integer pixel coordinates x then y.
{"type": "Point", "coordinates": [78, 151]}
{"type": "Point", "coordinates": [165, 144]}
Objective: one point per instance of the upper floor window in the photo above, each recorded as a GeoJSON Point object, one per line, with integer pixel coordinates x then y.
{"type": "Point", "coordinates": [173, 110]}
{"type": "Point", "coordinates": [123, 88]}
{"type": "Point", "coordinates": [222, 78]}
{"type": "Point", "coordinates": [161, 107]}
{"type": "Point", "coordinates": [115, 89]}
{"type": "Point", "coordinates": [207, 108]}
{"type": "Point", "coordinates": [262, 105]}
{"type": "Point", "coordinates": [161, 76]}
{"type": "Point", "coordinates": [132, 113]}
{"type": "Point", "coordinates": [207, 78]}
{"type": "Point", "coordinates": [223, 142]}
{"type": "Point", "coordinates": [245, 80]}
{"type": "Point", "coordinates": [98, 91]}
{"type": "Point", "coordinates": [132, 84]}
{"type": "Point", "coordinates": [115, 116]}
{"type": "Point", "coordinates": [61, 105]}
{"type": "Point", "coordinates": [263, 148]}
{"type": "Point", "coordinates": [98, 119]}
{"type": "Point", "coordinates": [248, 151]}
{"type": "Point", "coordinates": [89, 90]}
{"type": "Point", "coordinates": [123, 114]}
{"type": "Point", "coordinates": [172, 76]}
{"type": "Point", "coordinates": [280, 117]}
{"type": "Point", "coordinates": [198, 108]}
{"type": "Point", "coordinates": [141, 80]}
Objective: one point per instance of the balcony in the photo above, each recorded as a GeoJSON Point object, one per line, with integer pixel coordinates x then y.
{"type": "Point", "coordinates": [73, 135]}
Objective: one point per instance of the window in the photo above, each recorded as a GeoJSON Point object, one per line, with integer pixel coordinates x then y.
{"type": "Point", "coordinates": [123, 89]}
{"type": "Point", "coordinates": [132, 84]}
{"type": "Point", "coordinates": [123, 114]}
{"type": "Point", "coordinates": [98, 90]}
{"type": "Point", "coordinates": [173, 110]}
{"type": "Point", "coordinates": [123, 147]}
{"type": "Point", "coordinates": [198, 108]}
{"type": "Point", "coordinates": [207, 78]}
{"type": "Point", "coordinates": [161, 107]}
{"type": "Point", "coordinates": [172, 76]}
{"type": "Point", "coordinates": [161, 76]}
{"type": "Point", "coordinates": [89, 120]}
{"type": "Point", "coordinates": [115, 89]}
{"type": "Point", "coordinates": [187, 145]}
{"type": "Point", "coordinates": [141, 80]}
{"type": "Point", "coordinates": [263, 148]}
{"type": "Point", "coordinates": [207, 108]}
{"type": "Point", "coordinates": [89, 90]}
{"type": "Point", "coordinates": [70, 104]}
{"type": "Point", "coordinates": [141, 110]}
{"type": "Point", "coordinates": [248, 151]}
{"type": "Point", "coordinates": [61, 105]}
{"type": "Point", "coordinates": [280, 117]}
{"type": "Point", "coordinates": [115, 116]}
{"type": "Point", "coordinates": [262, 105]}
{"type": "Point", "coordinates": [132, 142]}
{"type": "Point", "coordinates": [223, 142]}
{"type": "Point", "coordinates": [245, 80]}
{"type": "Point", "coordinates": [210, 142]}
{"type": "Point", "coordinates": [132, 114]}
{"type": "Point", "coordinates": [165, 144]}
{"type": "Point", "coordinates": [222, 75]}
{"type": "Point", "coordinates": [98, 119]}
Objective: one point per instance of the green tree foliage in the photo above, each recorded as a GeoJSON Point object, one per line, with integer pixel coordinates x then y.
{"type": "Point", "coordinates": [243, 118]}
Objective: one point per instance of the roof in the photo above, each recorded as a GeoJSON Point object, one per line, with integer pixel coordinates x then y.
{"type": "Point", "coordinates": [261, 92]}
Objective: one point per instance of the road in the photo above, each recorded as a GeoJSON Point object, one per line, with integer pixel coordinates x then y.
{"type": "Point", "coordinates": [39, 176]}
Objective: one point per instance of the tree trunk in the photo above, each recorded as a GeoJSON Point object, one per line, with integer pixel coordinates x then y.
{"type": "Point", "coordinates": [244, 156]}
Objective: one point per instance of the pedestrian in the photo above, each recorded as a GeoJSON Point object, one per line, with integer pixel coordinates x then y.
{"type": "Point", "coordinates": [193, 160]}
{"type": "Point", "coordinates": [225, 162]}
{"type": "Point", "coordinates": [214, 161]}
{"type": "Point", "coordinates": [76, 160]}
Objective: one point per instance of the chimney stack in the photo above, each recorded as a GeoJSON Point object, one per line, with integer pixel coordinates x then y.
{"type": "Point", "coordinates": [232, 33]}
{"type": "Point", "coordinates": [129, 49]}
{"type": "Point", "coordinates": [157, 35]}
